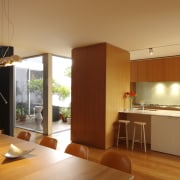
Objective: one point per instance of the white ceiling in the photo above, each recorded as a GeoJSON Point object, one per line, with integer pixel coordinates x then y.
{"type": "Point", "coordinates": [57, 26]}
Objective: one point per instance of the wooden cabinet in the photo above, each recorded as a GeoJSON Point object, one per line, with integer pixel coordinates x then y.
{"type": "Point", "coordinates": [154, 70]}
{"type": "Point", "coordinates": [172, 69]}
{"type": "Point", "coordinates": [147, 70]}
{"type": "Point", "coordinates": [165, 134]}
{"type": "Point", "coordinates": [144, 71]}
{"type": "Point", "coordinates": [134, 71]}
{"type": "Point", "coordinates": [100, 76]}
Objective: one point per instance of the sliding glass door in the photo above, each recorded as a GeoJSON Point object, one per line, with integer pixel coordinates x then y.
{"type": "Point", "coordinates": [29, 94]}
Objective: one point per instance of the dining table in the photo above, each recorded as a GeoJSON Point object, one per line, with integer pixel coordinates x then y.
{"type": "Point", "coordinates": [44, 163]}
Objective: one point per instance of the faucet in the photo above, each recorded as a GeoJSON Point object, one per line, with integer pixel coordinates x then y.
{"type": "Point", "coordinates": [142, 104]}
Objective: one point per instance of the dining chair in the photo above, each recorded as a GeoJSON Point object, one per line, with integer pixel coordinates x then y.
{"type": "Point", "coordinates": [49, 142]}
{"type": "Point", "coordinates": [1, 131]}
{"type": "Point", "coordinates": [78, 150]}
{"type": "Point", "coordinates": [115, 159]}
{"type": "Point", "coordinates": [25, 135]}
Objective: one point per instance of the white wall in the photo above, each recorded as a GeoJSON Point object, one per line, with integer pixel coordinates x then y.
{"type": "Point", "coordinates": [162, 93]}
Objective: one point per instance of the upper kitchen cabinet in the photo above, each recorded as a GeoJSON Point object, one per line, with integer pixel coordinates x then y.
{"type": "Point", "coordinates": [100, 76]}
{"type": "Point", "coordinates": [154, 70]}
{"type": "Point", "coordinates": [172, 69]}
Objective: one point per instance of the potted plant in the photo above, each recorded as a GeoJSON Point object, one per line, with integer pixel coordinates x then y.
{"type": "Point", "coordinates": [21, 114]}
{"type": "Point", "coordinates": [66, 113]}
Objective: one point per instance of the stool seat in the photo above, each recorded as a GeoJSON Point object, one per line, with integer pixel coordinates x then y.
{"type": "Point", "coordinates": [142, 139]}
{"type": "Point", "coordinates": [125, 122]}
{"type": "Point", "coordinates": [139, 123]}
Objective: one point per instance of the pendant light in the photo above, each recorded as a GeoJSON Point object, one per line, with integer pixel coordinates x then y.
{"type": "Point", "coordinates": [7, 57]}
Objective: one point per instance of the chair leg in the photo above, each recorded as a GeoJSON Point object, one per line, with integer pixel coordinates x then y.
{"type": "Point", "coordinates": [127, 140]}
{"type": "Point", "coordinates": [134, 132]}
{"type": "Point", "coordinates": [144, 139]}
{"type": "Point", "coordinates": [141, 140]}
{"type": "Point", "coordinates": [118, 135]}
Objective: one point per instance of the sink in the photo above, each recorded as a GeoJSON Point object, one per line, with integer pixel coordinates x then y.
{"type": "Point", "coordinates": [147, 109]}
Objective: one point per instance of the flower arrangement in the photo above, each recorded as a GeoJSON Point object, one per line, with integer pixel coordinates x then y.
{"type": "Point", "coordinates": [131, 95]}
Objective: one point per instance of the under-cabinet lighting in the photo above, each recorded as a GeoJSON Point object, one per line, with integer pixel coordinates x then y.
{"type": "Point", "coordinates": [151, 51]}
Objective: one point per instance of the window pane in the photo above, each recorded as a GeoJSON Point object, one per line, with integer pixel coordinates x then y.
{"type": "Point", "coordinates": [29, 94]}
{"type": "Point", "coordinates": [61, 90]}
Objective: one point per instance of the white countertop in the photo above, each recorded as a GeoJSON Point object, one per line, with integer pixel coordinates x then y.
{"type": "Point", "coordinates": [154, 112]}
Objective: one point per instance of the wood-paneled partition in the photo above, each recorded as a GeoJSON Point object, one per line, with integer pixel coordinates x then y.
{"type": "Point", "coordinates": [100, 76]}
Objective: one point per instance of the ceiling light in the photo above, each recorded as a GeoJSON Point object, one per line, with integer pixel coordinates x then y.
{"type": "Point", "coordinates": [7, 57]}
{"type": "Point", "coordinates": [151, 51]}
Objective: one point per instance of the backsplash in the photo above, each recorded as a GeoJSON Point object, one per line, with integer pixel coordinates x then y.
{"type": "Point", "coordinates": [162, 93]}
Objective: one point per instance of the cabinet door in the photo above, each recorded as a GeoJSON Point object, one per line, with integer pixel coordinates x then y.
{"type": "Point", "coordinates": [154, 70]}
{"type": "Point", "coordinates": [172, 69]}
{"type": "Point", "coordinates": [134, 71]}
{"type": "Point", "coordinates": [165, 134]}
{"type": "Point", "coordinates": [145, 70]}
{"type": "Point", "coordinates": [148, 70]}
{"type": "Point", "coordinates": [141, 71]}
{"type": "Point", "coordinates": [158, 70]}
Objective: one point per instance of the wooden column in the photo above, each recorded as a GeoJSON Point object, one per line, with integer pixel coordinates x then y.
{"type": "Point", "coordinates": [100, 76]}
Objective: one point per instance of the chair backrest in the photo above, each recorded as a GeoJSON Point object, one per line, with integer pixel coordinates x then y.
{"type": "Point", "coordinates": [49, 142]}
{"type": "Point", "coordinates": [115, 159]}
{"type": "Point", "coordinates": [1, 131]}
{"type": "Point", "coordinates": [77, 150]}
{"type": "Point", "coordinates": [25, 135]}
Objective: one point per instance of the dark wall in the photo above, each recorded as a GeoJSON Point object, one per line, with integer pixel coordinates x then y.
{"type": "Point", "coordinates": [7, 109]}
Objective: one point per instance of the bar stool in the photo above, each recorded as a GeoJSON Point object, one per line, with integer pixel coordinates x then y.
{"type": "Point", "coordinates": [142, 139]}
{"type": "Point", "coordinates": [125, 122]}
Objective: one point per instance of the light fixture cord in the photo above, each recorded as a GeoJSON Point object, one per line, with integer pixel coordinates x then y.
{"type": "Point", "coordinates": [9, 22]}
{"type": "Point", "coordinates": [2, 22]}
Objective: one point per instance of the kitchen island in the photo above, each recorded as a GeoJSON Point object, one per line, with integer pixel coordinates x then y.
{"type": "Point", "coordinates": [162, 129]}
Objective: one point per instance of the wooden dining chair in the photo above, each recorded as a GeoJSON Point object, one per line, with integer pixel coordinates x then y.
{"type": "Point", "coordinates": [78, 150]}
{"type": "Point", "coordinates": [115, 159]}
{"type": "Point", "coordinates": [25, 135]}
{"type": "Point", "coordinates": [1, 131]}
{"type": "Point", "coordinates": [49, 142]}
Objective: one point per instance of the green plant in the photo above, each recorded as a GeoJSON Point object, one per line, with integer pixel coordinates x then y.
{"type": "Point", "coordinates": [21, 113]}
{"type": "Point", "coordinates": [66, 112]}
{"type": "Point", "coordinates": [62, 91]}
{"type": "Point", "coordinates": [36, 86]}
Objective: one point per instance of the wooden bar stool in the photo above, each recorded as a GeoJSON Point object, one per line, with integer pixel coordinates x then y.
{"type": "Point", "coordinates": [142, 136]}
{"type": "Point", "coordinates": [125, 122]}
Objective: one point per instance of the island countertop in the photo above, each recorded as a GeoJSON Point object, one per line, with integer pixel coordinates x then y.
{"type": "Point", "coordinates": [162, 128]}
{"type": "Point", "coordinates": [157, 112]}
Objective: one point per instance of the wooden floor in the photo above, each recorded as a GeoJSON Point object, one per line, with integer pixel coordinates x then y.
{"type": "Point", "coordinates": [145, 166]}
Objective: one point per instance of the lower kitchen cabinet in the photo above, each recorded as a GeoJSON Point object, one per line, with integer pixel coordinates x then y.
{"type": "Point", "coordinates": [165, 134]}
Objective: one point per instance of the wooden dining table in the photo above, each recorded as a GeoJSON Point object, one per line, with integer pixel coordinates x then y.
{"type": "Point", "coordinates": [44, 163]}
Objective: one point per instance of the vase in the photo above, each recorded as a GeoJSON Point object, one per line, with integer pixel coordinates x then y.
{"type": "Point", "coordinates": [130, 103]}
